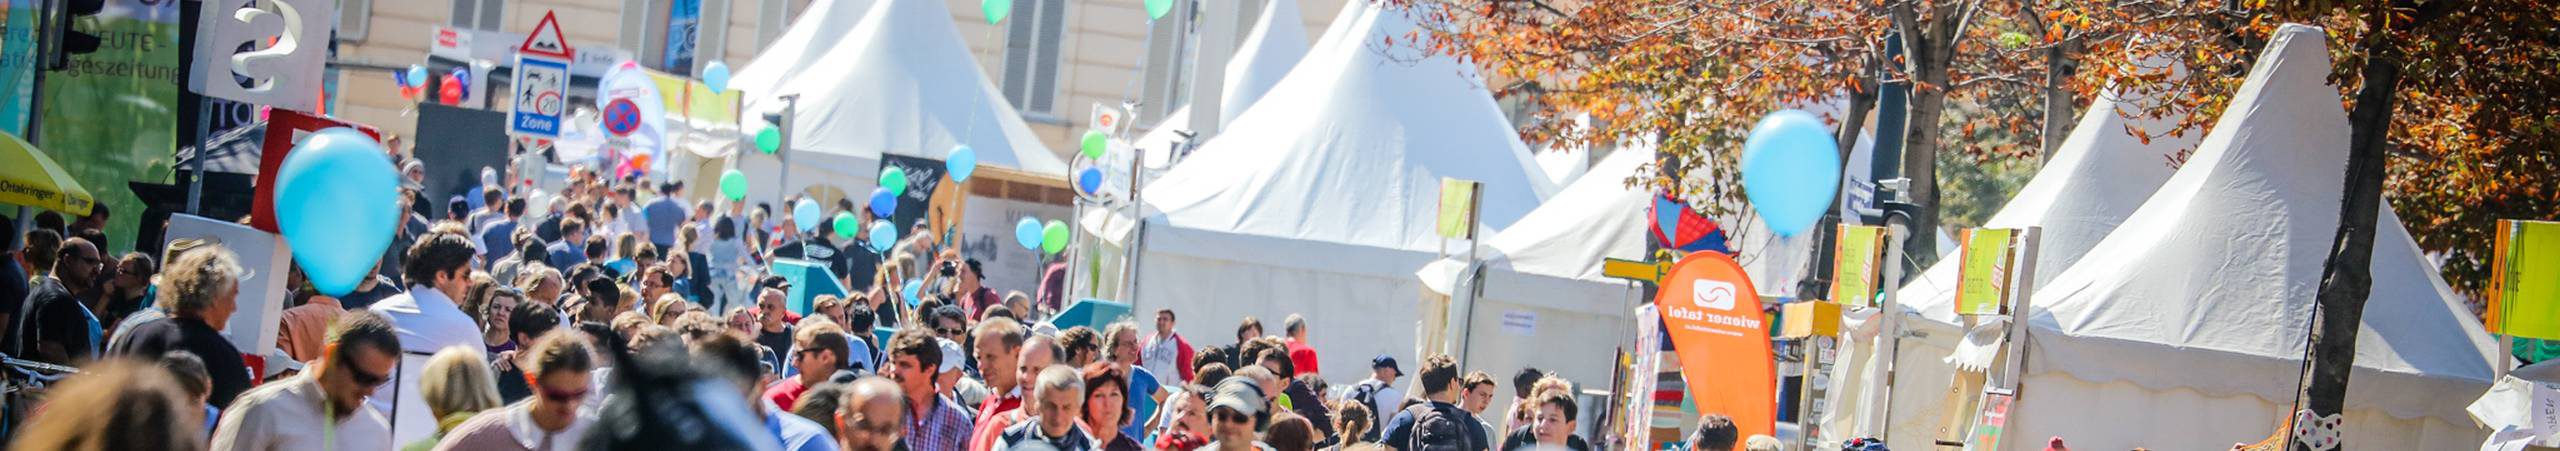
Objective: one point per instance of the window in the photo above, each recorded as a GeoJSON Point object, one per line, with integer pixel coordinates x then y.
{"type": "Point", "coordinates": [487, 15]}
{"type": "Point", "coordinates": [1033, 34]}
{"type": "Point", "coordinates": [354, 17]}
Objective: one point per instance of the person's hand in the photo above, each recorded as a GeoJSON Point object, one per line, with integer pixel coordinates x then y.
{"type": "Point", "coordinates": [506, 361]}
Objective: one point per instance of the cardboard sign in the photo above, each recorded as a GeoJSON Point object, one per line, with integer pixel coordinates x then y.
{"type": "Point", "coordinates": [255, 324]}
{"type": "Point", "coordinates": [1982, 284]}
{"type": "Point", "coordinates": [1853, 280]}
{"type": "Point", "coordinates": [291, 41]}
{"type": "Point", "coordinates": [1458, 208]}
{"type": "Point", "coordinates": [542, 96]}
{"type": "Point", "coordinates": [1712, 313]}
{"type": "Point", "coordinates": [2524, 294]}
{"type": "Point", "coordinates": [285, 128]}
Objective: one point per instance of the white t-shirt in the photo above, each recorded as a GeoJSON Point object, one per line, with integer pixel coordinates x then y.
{"type": "Point", "coordinates": [427, 322]}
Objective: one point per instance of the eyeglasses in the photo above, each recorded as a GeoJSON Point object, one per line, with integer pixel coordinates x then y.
{"type": "Point", "coordinates": [948, 332]}
{"type": "Point", "coordinates": [361, 377]}
{"type": "Point", "coordinates": [1229, 416]}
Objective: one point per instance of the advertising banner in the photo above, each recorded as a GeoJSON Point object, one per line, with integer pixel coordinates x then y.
{"type": "Point", "coordinates": [1716, 325]}
{"type": "Point", "coordinates": [2525, 280]}
{"type": "Point", "coordinates": [111, 117]}
{"type": "Point", "coordinates": [1854, 278]}
{"type": "Point", "coordinates": [1983, 282]}
{"type": "Point", "coordinates": [17, 63]}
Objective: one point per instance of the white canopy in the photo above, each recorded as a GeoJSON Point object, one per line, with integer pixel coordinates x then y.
{"type": "Point", "coordinates": [1546, 269]}
{"type": "Point", "coordinates": [1276, 44]}
{"type": "Point", "coordinates": [1322, 198]}
{"type": "Point", "coordinates": [799, 46]}
{"type": "Point", "coordinates": [902, 82]}
{"type": "Point", "coordinates": [2189, 325]}
{"type": "Point", "coordinates": [2096, 178]}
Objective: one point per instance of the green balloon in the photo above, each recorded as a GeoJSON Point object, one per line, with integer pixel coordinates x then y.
{"type": "Point", "coordinates": [895, 179]}
{"type": "Point", "coordinates": [1157, 8]}
{"type": "Point", "coordinates": [845, 224]}
{"type": "Point", "coordinates": [733, 184]}
{"type": "Point", "coordinates": [1095, 143]}
{"type": "Point", "coordinates": [1053, 238]}
{"type": "Point", "coordinates": [995, 9]}
{"type": "Point", "coordinates": [769, 139]}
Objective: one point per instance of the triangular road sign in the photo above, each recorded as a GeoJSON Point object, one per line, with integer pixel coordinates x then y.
{"type": "Point", "coordinates": [546, 40]}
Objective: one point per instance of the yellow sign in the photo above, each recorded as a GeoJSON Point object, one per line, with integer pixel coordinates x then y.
{"type": "Point", "coordinates": [1982, 284]}
{"type": "Point", "coordinates": [694, 101]}
{"type": "Point", "coordinates": [1458, 208]}
{"type": "Point", "coordinates": [2524, 299]}
{"type": "Point", "coordinates": [1853, 279]}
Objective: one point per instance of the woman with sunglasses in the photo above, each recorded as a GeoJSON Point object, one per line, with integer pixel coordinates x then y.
{"type": "Point", "coordinates": [561, 370]}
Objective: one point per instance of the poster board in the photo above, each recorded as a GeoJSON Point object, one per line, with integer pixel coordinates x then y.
{"type": "Point", "coordinates": [1856, 270]}
{"type": "Point", "coordinates": [262, 294]}
{"type": "Point", "coordinates": [1982, 283]}
{"type": "Point", "coordinates": [2524, 294]}
{"type": "Point", "coordinates": [924, 199]}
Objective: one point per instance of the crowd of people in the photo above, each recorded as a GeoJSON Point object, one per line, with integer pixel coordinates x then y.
{"type": "Point", "coordinates": [620, 316]}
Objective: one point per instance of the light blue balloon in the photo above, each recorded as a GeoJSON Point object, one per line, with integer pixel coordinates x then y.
{"type": "Point", "coordinates": [1089, 180]}
{"type": "Point", "coordinates": [914, 291]}
{"type": "Point", "coordinates": [716, 77]}
{"type": "Point", "coordinates": [962, 161]}
{"type": "Point", "coordinates": [1790, 170]}
{"type": "Point", "coordinates": [417, 75]}
{"type": "Point", "coordinates": [883, 203]}
{"type": "Point", "coordinates": [1027, 233]}
{"type": "Point", "coordinates": [883, 236]}
{"type": "Point", "coordinates": [805, 215]}
{"type": "Point", "coordinates": [337, 204]}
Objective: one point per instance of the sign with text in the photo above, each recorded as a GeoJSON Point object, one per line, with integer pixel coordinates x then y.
{"type": "Point", "coordinates": [1853, 282]}
{"type": "Point", "coordinates": [1991, 421]}
{"type": "Point", "coordinates": [542, 96]}
{"type": "Point", "coordinates": [1982, 284]}
{"type": "Point", "coordinates": [2524, 294]}
{"type": "Point", "coordinates": [1712, 313]}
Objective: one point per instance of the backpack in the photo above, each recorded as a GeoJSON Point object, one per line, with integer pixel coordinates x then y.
{"type": "Point", "coordinates": [1437, 429]}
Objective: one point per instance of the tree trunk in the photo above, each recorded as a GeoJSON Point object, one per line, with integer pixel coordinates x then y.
{"type": "Point", "coordinates": [1817, 280]}
{"type": "Point", "coordinates": [2059, 107]}
{"type": "Point", "coordinates": [2347, 278]}
{"type": "Point", "coordinates": [1931, 49]}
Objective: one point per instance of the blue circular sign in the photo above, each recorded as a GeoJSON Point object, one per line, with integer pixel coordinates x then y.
{"type": "Point", "coordinates": [621, 117]}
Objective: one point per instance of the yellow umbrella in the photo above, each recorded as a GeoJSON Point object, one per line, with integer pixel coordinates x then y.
{"type": "Point", "coordinates": [29, 177]}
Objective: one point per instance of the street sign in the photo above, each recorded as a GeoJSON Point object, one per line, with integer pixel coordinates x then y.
{"type": "Point", "coordinates": [546, 40]}
{"type": "Point", "coordinates": [621, 117]}
{"type": "Point", "coordinates": [542, 95]}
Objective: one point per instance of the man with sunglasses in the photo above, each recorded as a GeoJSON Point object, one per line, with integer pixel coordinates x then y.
{"type": "Point", "coordinates": [562, 369]}
{"type": "Point", "coordinates": [60, 327]}
{"type": "Point", "coordinates": [935, 423]}
{"type": "Point", "coordinates": [323, 408]}
{"type": "Point", "coordinates": [1235, 412]}
{"type": "Point", "coordinates": [870, 416]}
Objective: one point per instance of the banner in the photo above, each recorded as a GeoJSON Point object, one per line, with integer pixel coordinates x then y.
{"type": "Point", "coordinates": [17, 63]}
{"type": "Point", "coordinates": [1982, 284]}
{"type": "Point", "coordinates": [111, 117]}
{"type": "Point", "coordinates": [1714, 318]}
{"type": "Point", "coordinates": [1853, 280]}
{"type": "Point", "coordinates": [2524, 294]}
{"type": "Point", "coordinates": [923, 200]}
{"type": "Point", "coordinates": [1989, 424]}
{"type": "Point", "coordinates": [1457, 208]}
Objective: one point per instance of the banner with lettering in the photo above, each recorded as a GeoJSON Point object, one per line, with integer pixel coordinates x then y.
{"type": "Point", "coordinates": [1853, 280]}
{"type": "Point", "coordinates": [111, 117]}
{"type": "Point", "coordinates": [1982, 284]}
{"type": "Point", "coordinates": [1713, 315]}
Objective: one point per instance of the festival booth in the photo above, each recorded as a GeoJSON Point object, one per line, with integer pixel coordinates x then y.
{"type": "Point", "coordinates": [2189, 332]}
{"type": "Point", "coordinates": [902, 82]}
{"type": "Point", "coordinates": [2097, 176]}
{"type": "Point", "coordinates": [1322, 198]}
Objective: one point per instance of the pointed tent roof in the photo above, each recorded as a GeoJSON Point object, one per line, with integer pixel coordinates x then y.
{"type": "Point", "coordinates": [799, 45]}
{"type": "Point", "coordinates": [1349, 149]}
{"type": "Point", "coordinates": [904, 83]}
{"type": "Point", "coordinates": [1276, 44]}
{"type": "Point", "coordinates": [2210, 284]}
{"type": "Point", "coordinates": [2096, 178]}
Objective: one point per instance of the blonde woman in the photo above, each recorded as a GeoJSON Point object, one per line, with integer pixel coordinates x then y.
{"type": "Point", "coordinates": [456, 384]}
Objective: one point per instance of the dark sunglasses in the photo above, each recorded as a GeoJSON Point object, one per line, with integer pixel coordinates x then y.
{"type": "Point", "coordinates": [563, 396]}
{"type": "Point", "coordinates": [363, 378]}
{"type": "Point", "coordinates": [1229, 416]}
{"type": "Point", "coordinates": [951, 332]}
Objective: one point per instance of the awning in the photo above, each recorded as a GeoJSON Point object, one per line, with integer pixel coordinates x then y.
{"type": "Point", "coordinates": [31, 178]}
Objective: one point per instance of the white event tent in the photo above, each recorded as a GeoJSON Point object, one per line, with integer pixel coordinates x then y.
{"type": "Point", "coordinates": [2097, 177]}
{"type": "Point", "coordinates": [1321, 199]}
{"type": "Point", "coordinates": [901, 82]}
{"type": "Point", "coordinates": [1276, 44]}
{"type": "Point", "coordinates": [800, 45]}
{"type": "Point", "coordinates": [2184, 328]}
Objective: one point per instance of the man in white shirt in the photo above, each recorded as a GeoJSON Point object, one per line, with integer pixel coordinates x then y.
{"type": "Point", "coordinates": [1379, 390]}
{"type": "Point", "coordinates": [324, 408]}
{"type": "Point", "coordinates": [438, 268]}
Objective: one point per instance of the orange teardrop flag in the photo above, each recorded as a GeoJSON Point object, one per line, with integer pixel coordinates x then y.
{"type": "Point", "coordinates": [1713, 316]}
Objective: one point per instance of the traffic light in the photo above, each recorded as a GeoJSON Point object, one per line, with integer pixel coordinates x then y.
{"type": "Point", "coordinates": [67, 41]}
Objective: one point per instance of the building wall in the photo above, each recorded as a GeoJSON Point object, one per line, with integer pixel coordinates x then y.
{"type": "Point", "coordinates": [1104, 44]}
